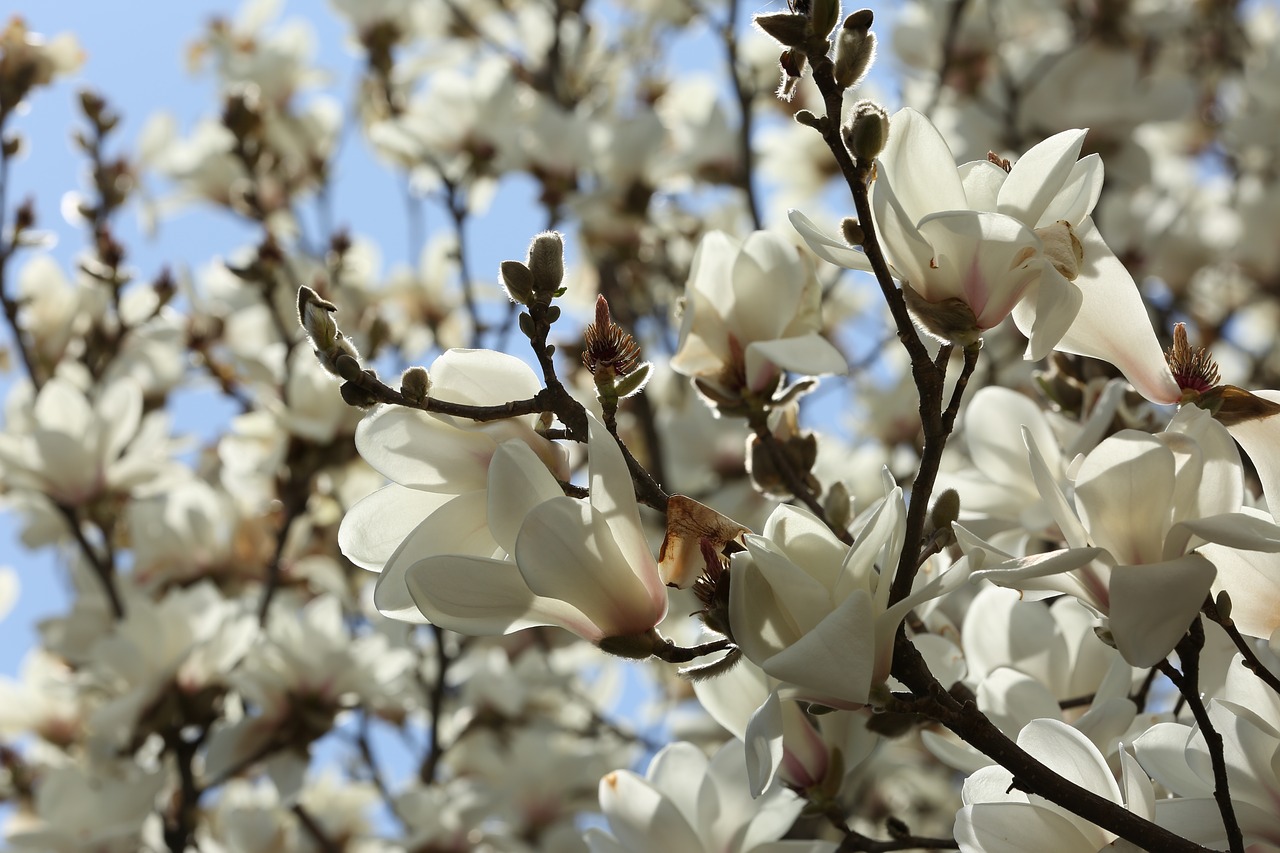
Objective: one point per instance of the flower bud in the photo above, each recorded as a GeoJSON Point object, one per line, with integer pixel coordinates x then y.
{"type": "Point", "coordinates": [633, 646]}
{"type": "Point", "coordinates": [855, 49]}
{"type": "Point", "coordinates": [867, 132]}
{"type": "Point", "coordinates": [950, 320]}
{"type": "Point", "coordinates": [634, 382]}
{"type": "Point", "coordinates": [337, 354]}
{"type": "Point", "coordinates": [851, 231]}
{"type": "Point", "coordinates": [517, 280]}
{"type": "Point", "coordinates": [415, 382]}
{"type": "Point", "coordinates": [546, 263]}
{"type": "Point", "coordinates": [823, 16]}
{"type": "Point", "coordinates": [786, 28]}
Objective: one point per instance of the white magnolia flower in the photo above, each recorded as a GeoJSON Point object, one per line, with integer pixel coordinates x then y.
{"type": "Point", "coordinates": [998, 818]}
{"type": "Point", "coordinates": [1141, 508]}
{"type": "Point", "coordinates": [752, 309]}
{"type": "Point", "coordinates": [693, 805]}
{"type": "Point", "coordinates": [439, 468]}
{"type": "Point", "coordinates": [583, 565]}
{"type": "Point", "coordinates": [75, 448]}
{"type": "Point", "coordinates": [814, 613]}
{"type": "Point", "coordinates": [976, 243]}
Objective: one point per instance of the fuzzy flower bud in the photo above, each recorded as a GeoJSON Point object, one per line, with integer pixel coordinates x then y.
{"type": "Point", "coordinates": [867, 131]}
{"type": "Point", "coordinates": [546, 263]}
{"type": "Point", "coordinates": [855, 49]}
{"type": "Point", "coordinates": [336, 352]}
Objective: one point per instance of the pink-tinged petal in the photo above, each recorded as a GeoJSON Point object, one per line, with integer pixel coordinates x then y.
{"type": "Point", "coordinates": [1153, 605]}
{"type": "Point", "coordinates": [829, 248]}
{"type": "Point", "coordinates": [1112, 323]}
{"type": "Point", "coordinates": [1078, 195]}
{"type": "Point", "coordinates": [986, 259]}
{"type": "Point", "coordinates": [482, 377]}
{"type": "Point", "coordinates": [614, 499]}
{"type": "Point", "coordinates": [518, 482]}
{"type": "Point", "coordinates": [1017, 828]}
{"type": "Point", "coordinates": [484, 597]}
{"type": "Point", "coordinates": [1038, 176]}
{"type": "Point", "coordinates": [836, 659]}
{"type": "Point", "coordinates": [641, 817]}
{"type": "Point", "coordinates": [1253, 582]}
{"type": "Point", "coordinates": [457, 527]}
{"type": "Point", "coordinates": [807, 355]}
{"type": "Point", "coordinates": [415, 449]}
{"type": "Point", "coordinates": [1260, 439]}
{"type": "Point", "coordinates": [1123, 493]}
{"type": "Point", "coordinates": [376, 525]}
{"type": "Point", "coordinates": [564, 552]}
{"type": "Point", "coordinates": [923, 167]}
{"type": "Point", "coordinates": [763, 743]}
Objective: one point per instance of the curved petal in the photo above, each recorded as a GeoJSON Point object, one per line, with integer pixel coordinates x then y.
{"type": "Point", "coordinates": [982, 180]}
{"type": "Point", "coordinates": [518, 482]}
{"type": "Point", "coordinates": [457, 528]}
{"type": "Point", "coordinates": [564, 552]}
{"type": "Point", "coordinates": [641, 817]}
{"type": "Point", "coordinates": [1253, 582]}
{"type": "Point", "coordinates": [374, 527]}
{"type": "Point", "coordinates": [418, 450]}
{"type": "Point", "coordinates": [483, 597]}
{"type": "Point", "coordinates": [481, 377]}
{"type": "Point", "coordinates": [808, 355]}
{"type": "Point", "coordinates": [1153, 605]}
{"type": "Point", "coordinates": [834, 661]}
{"type": "Point", "coordinates": [1038, 176]}
{"type": "Point", "coordinates": [1069, 754]}
{"type": "Point", "coordinates": [763, 743]}
{"type": "Point", "coordinates": [768, 283]}
{"type": "Point", "coordinates": [1112, 323]}
{"type": "Point", "coordinates": [1123, 493]}
{"type": "Point", "coordinates": [1055, 304]}
{"type": "Point", "coordinates": [827, 247]}
{"type": "Point", "coordinates": [922, 165]}
{"type": "Point", "coordinates": [1260, 439]}
{"type": "Point", "coordinates": [1017, 828]}
{"type": "Point", "coordinates": [1078, 195]}
{"type": "Point", "coordinates": [993, 425]}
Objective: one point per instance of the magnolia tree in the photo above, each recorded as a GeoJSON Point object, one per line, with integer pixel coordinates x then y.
{"type": "Point", "coordinates": [675, 534]}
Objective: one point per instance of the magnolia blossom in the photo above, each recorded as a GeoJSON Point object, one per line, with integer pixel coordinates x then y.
{"type": "Point", "coordinates": [582, 565]}
{"type": "Point", "coordinates": [693, 805]}
{"type": "Point", "coordinates": [439, 468]}
{"type": "Point", "coordinates": [814, 613]}
{"type": "Point", "coordinates": [999, 818]}
{"type": "Point", "coordinates": [974, 244]}
{"type": "Point", "coordinates": [752, 309]}
{"type": "Point", "coordinates": [1142, 506]}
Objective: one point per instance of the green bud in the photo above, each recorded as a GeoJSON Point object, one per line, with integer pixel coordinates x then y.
{"type": "Point", "coordinates": [786, 28]}
{"type": "Point", "coordinates": [809, 119]}
{"type": "Point", "coordinates": [546, 262]}
{"type": "Point", "coordinates": [823, 16]}
{"type": "Point", "coordinates": [946, 509]}
{"type": "Point", "coordinates": [415, 382]}
{"type": "Point", "coordinates": [553, 313]}
{"type": "Point", "coordinates": [867, 132]}
{"type": "Point", "coordinates": [851, 231]}
{"type": "Point", "coordinates": [517, 280]}
{"type": "Point", "coordinates": [855, 50]}
{"type": "Point", "coordinates": [633, 382]}
{"type": "Point", "coordinates": [354, 395]}
{"type": "Point", "coordinates": [1223, 603]}
{"type": "Point", "coordinates": [526, 324]}
{"type": "Point", "coordinates": [837, 505]}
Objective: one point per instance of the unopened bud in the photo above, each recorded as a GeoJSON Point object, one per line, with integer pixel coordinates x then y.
{"type": "Point", "coordinates": [786, 28]}
{"type": "Point", "coordinates": [354, 395]}
{"type": "Point", "coordinates": [631, 646]}
{"type": "Point", "coordinates": [867, 131]}
{"type": "Point", "coordinates": [949, 320]}
{"type": "Point", "coordinates": [855, 49]}
{"type": "Point", "coordinates": [823, 16]}
{"type": "Point", "coordinates": [837, 505]}
{"type": "Point", "coordinates": [946, 509]}
{"type": "Point", "coordinates": [517, 280]}
{"type": "Point", "coordinates": [332, 349]}
{"type": "Point", "coordinates": [546, 263]}
{"type": "Point", "coordinates": [633, 382]}
{"type": "Point", "coordinates": [415, 382]}
{"type": "Point", "coordinates": [1223, 605]}
{"type": "Point", "coordinates": [851, 231]}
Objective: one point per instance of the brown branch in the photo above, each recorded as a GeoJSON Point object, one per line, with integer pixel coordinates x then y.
{"type": "Point", "coordinates": [1251, 660]}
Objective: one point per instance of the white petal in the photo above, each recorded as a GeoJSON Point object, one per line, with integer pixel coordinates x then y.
{"type": "Point", "coordinates": [1078, 195]}
{"type": "Point", "coordinates": [808, 355]}
{"type": "Point", "coordinates": [1253, 582]}
{"type": "Point", "coordinates": [1069, 754]}
{"type": "Point", "coordinates": [482, 377]}
{"type": "Point", "coordinates": [768, 281]}
{"type": "Point", "coordinates": [641, 817]}
{"type": "Point", "coordinates": [518, 482]}
{"type": "Point", "coordinates": [1123, 493]}
{"type": "Point", "coordinates": [1153, 605]}
{"type": "Point", "coordinates": [483, 597]}
{"type": "Point", "coordinates": [1112, 323]}
{"type": "Point", "coordinates": [1038, 176]}
{"type": "Point", "coordinates": [564, 552]}
{"type": "Point", "coordinates": [827, 247]}
{"type": "Point", "coordinates": [986, 259]}
{"type": "Point", "coordinates": [982, 180]}
{"type": "Point", "coordinates": [922, 166]}
{"type": "Point", "coordinates": [1260, 439]}
{"type": "Point", "coordinates": [763, 743]}
{"type": "Point", "coordinates": [376, 525]}
{"type": "Point", "coordinates": [836, 660]}
{"type": "Point", "coordinates": [1017, 828]}
{"type": "Point", "coordinates": [414, 449]}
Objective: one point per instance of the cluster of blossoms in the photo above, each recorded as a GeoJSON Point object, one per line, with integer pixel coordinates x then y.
{"type": "Point", "coordinates": [910, 517]}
